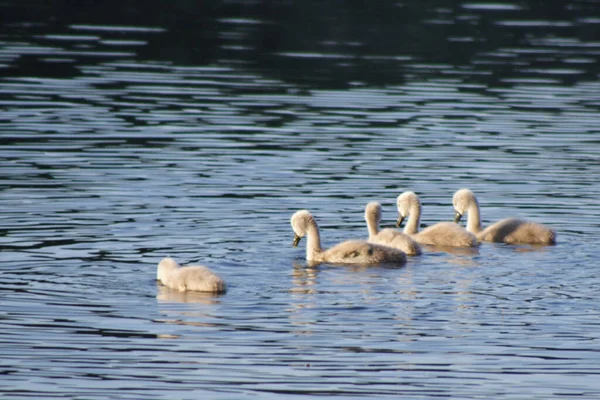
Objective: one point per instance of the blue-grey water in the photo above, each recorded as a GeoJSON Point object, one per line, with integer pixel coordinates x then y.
{"type": "Point", "coordinates": [132, 133]}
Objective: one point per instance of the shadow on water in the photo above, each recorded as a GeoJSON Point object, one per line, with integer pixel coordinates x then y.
{"type": "Point", "coordinates": [338, 46]}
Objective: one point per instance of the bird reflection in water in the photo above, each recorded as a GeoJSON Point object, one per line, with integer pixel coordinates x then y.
{"type": "Point", "coordinates": [304, 278]}
{"type": "Point", "coordinates": [166, 295]}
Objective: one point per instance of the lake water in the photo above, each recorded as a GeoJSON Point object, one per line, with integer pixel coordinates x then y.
{"type": "Point", "coordinates": [131, 134]}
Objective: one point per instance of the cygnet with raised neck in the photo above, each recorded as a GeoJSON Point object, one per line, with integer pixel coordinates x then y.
{"type": "Point", "coordinates": [348, 252]}
{"type": "Point", "coordinates": [441, 234]}
{"type": "Point", "coordinates": [388, 237]}
{"type": "Point", "coordinates": [508, 230]}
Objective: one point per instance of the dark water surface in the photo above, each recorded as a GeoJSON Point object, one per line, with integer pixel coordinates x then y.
{"type": "Point", "coordinates": [131, 133]}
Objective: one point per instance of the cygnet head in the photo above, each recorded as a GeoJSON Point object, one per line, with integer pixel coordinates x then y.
{"type": "Point", "coordinates": [373, 209]}
{"type": "Point", "coordinates": [461, 201]}
{"type": "Point", "coordinates": [300, 221]}
{"type": "Point", "coordinates": [165, 266]}
{"type": "Point", "coordinates": [405, 202]}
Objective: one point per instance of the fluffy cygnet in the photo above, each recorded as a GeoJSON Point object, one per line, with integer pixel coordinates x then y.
{"type": "Point", "coordinates": [509, 230]}
{"type": "Point", "coordinates": [348, 252]}
{"type": "Point", "coordinates": [441, 234]}
{"type": "Point", "coordinates": [190, 278]}
{"type": "Point", "coordinates": [388, 237]}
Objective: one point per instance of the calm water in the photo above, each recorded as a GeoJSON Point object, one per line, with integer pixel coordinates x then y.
{"type": "Point", "coordinates": [128, 135]}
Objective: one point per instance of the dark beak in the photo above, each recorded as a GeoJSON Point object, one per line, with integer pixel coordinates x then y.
{"type": "Point", "coordinates": [296, 240]}
{"type": "Point", "coordinates": [399, 221]}
{"type": "Point", "coordinates": [457, 217]}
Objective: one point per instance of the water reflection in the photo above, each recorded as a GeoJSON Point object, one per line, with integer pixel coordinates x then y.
{"type": "Point", "coordinates": [166, 295]}
{"type": "Point", "coordinates": [530, 248]}
{"type": "Point", "coordinates": [304, 278]}
{"type": "Point", "coordinates": [119, 147]}
{"type": "Point", "coordinates": [458, 251]}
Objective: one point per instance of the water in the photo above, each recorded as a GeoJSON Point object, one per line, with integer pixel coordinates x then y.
{"type": "Point", "coordinates": [132, 135]}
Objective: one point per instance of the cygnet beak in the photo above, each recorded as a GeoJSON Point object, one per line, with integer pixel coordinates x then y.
{"type": "Point", "coordinates": [457, 217]}
{"type": "Point", "coordinates": [399, 221]}
{"type": "Point", "coordinates": [296, 240]}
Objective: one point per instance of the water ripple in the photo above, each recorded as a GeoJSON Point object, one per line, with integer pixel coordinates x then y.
{"type": "Point", "coordinates": [122, 159]}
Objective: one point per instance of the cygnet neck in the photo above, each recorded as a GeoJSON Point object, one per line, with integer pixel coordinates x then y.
{"type": "Point", "coordinates": [474, 217]}
{"type": "Point", "coordinates": [372, 225]}
{"type": "Point", "coordinates": [313, 240]}
{"type": "Point", "coordinates": [414, 218]}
